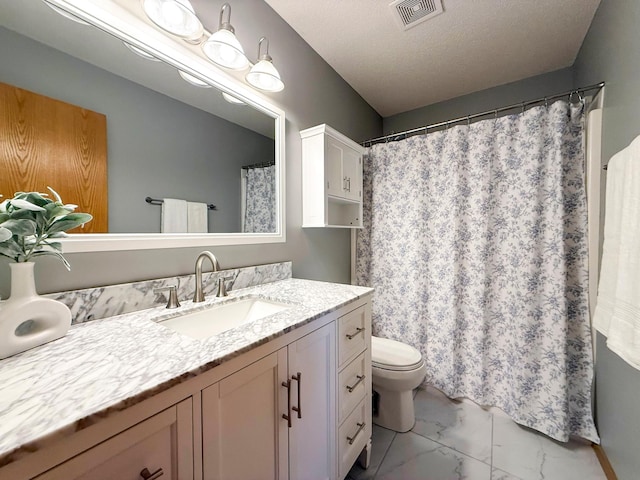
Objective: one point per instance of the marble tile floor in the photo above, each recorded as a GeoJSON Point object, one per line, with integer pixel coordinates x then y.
{"type": "Point", "coordinates": [454, 440]}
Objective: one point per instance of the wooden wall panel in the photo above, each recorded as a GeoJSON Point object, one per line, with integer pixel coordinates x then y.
{"type": "Point", "coordinates": [46, 142]}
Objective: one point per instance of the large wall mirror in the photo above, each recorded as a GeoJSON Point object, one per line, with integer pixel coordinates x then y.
{"type": "Point", "coordinates": [176, 129]}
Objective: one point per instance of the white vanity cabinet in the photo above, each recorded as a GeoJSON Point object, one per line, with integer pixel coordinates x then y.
{"type": "Point", "coordinates": [331, 179]}
{"type": "Point", "coordinates": [274, 419]}
{"type": "Point", "coordinates": [297, 407]}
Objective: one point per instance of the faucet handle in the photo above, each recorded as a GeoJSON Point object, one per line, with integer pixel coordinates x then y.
{"type": "Point", "coordinates": [222, 287]}
{"type": "Point", "coordinates": [173, 295]}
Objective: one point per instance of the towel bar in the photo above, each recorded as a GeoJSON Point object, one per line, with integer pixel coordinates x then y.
{"type": "Point", "coordinates": [158, 201]}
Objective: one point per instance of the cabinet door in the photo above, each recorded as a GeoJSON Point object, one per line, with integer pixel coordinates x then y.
{"type": "Point", "coordinates": [244, 434]}
{"type": "Point", "coordinates": [352, 173]}
{"type": "Point", "coordinates": [312, 438]}
{"type": "Point", "coordinates": [162, 444]}
{"type": "Point", "coordinates": [333, 165]}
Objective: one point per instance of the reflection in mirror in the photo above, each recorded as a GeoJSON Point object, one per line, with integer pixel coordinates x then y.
{"type": "Point", "coordinates": [212, 164]}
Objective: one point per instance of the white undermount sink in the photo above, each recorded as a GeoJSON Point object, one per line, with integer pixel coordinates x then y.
{"type": "Point", "coordinates": [219, 318]}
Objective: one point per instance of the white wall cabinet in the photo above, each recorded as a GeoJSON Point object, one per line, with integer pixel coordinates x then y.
{"type": "Point", "coordinates": [297, 407]}
{"type": "Point", "coordinates": [331, 179]}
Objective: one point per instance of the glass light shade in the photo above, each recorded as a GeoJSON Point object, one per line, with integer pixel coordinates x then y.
{"type": "Point", "coordinates": [187, 77]}
{"type": "Point", "coordinates": [141, 52]}
{"type": "Point", "coordinates": [174, 16]}
{"type": "Point", "coordinates": [263, 75]}
{"type": "Point", "coordinates": [232, 99]}
{"type": "Point", "coordinates": [224, 49]}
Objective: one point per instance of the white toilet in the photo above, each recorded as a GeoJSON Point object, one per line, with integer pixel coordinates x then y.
{"type": "Point", "coordinates": [396, 369]}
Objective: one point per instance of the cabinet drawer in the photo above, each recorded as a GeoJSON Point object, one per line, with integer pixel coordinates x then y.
{"type": "Point", "coordinates": [353, 435]}
{"type": "Point", "coordinates": [161, 444]}
{"type": "Point", "coordinates": [353, 386]}
{"type": "Point", "coordinates": [352, 335]}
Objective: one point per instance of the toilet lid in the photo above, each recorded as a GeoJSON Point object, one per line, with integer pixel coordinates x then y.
{"type": "Point", "coordinates": [392, 355]}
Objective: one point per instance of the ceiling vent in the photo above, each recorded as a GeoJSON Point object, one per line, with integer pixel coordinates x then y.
{"type": "Point", "coordinates": [410, 13]}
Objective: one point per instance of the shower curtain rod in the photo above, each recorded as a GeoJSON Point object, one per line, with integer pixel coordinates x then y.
{"type": "Point", "coordinates": [468, 118]}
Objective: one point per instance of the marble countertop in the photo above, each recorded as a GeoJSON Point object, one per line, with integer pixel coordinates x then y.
{"type": "Point", "coordinates": [110, 364]}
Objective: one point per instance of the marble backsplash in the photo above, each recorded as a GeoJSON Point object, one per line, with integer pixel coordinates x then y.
{"type": "Point", "coordinates": [101, 302]}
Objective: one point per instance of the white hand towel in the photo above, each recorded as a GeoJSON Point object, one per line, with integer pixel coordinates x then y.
{"type": "Point", "coordinates": [174, 215]}
{"type": "Point", "coordinates": [197, 217]}
{"type": "Point", "coordinates": [617, 313]}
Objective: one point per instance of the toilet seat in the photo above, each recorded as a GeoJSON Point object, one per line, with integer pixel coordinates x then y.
{"type": "Point", "coordinates": [388, 354]}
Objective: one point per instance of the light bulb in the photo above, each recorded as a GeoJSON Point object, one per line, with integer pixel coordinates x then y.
{"type": "Point", "coordinates": [224, 49]}
{"type": "Point", "coordinates": [263, 75]}
{"type": "Point", "coordinates": [174, 16]}
{"type": "Point", "coordinates": [227, 54]}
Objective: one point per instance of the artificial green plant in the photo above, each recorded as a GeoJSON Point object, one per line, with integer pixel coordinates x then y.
{"type": "Point", "coordinates": [30, 223]}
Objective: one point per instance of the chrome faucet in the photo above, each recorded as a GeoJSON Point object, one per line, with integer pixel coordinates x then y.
{"type": "Point", "coordinates": [199, 295]}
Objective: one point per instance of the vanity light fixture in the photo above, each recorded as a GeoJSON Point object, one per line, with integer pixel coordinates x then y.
{"type": "Point", "coordinates": [187, 77]}
{"type": "Point", "coordinates": [222, 47]}
{"type": "Point", "coordinates": [263, 75]}
{"type": "Point", "coordinates": [174, 16]}
{"type": "Point", "coordinates": [140, 52]}
{"type": "Point", "coordinates": [232, 99]}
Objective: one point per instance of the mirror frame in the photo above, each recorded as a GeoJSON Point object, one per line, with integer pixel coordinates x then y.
{"type": "Point", "coordinates": [113, 17]}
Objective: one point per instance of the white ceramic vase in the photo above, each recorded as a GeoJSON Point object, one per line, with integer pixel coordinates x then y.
{"type": "Point", "coordinates": [27, 319]}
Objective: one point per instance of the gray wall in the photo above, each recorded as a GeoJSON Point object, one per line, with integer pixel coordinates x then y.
{"type": "Point", "coordinates": [503, 95]}
{"type": "Point", "coordinates": [148, 155]}
{"type": "Point", "coordinates": [314, 94]}
{"type": "Point", "coordinates": [611, 53]}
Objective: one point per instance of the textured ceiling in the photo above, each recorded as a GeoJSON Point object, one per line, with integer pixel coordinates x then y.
{"type": "Point", "coordinates": [473, 45]}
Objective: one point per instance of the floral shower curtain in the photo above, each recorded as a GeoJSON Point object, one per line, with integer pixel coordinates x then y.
{"type": "Point", "coordinates": [475, 239]}
{"type": "Point", "coordinates": [260, 200]}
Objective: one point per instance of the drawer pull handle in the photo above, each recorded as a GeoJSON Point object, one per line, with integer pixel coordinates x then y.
{"type": "Point", "coordinates": [287, 416]}
{"type": "Point", "coordinates": [147, 475]}
{"type": "Point", "coordinates": [298, 378]}
{"type": "Point", "coordinates": [360, 428]}
{"type": "Point", "coordinates": [358, 331]}
{"type": "Point", "coordinates": [358, 382]}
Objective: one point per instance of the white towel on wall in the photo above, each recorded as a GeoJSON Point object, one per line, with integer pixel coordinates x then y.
{"type": "Point", "coordinates": [617, 313]}
{"type": "Point", "coordinates": [174, 215]}
{"type": "Point", "coordinates": [197, 217]}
